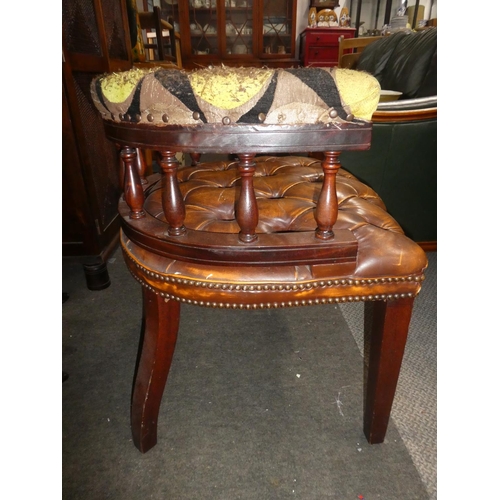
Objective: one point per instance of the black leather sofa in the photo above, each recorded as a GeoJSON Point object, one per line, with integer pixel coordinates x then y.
{"type": "Point", "coordinates": [401, 165]}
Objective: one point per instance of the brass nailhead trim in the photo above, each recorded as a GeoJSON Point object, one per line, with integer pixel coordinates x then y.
{"type": "Point", "coordinates": [269, 305]}
{"type": "Point", "coordinates": [280, 287]}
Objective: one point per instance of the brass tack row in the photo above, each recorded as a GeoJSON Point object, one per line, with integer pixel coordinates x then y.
{"type": "Point", "coordinates": [276, 305]}
{"type": "Point", "coordinates": [125, 117]}
{"type": "Point", "coordinates": [279, 287]}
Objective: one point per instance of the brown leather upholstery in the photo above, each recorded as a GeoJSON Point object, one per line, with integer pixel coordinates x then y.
{"type": "Point", "coordinates": [388, 263]}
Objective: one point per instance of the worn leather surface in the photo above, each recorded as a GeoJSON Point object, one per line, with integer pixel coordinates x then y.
{"type": "Point", "coordinates": [287, 188]}
{"type": "Point", "coordinates": [406, 62]}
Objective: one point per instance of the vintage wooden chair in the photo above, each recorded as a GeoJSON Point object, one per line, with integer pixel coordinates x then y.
{"type": "Point", "coordinates": [161, 49]}
{"type": "Point", "coordinates": [351, 48]}
{"type": "Point", "coordinates": [261, 231]}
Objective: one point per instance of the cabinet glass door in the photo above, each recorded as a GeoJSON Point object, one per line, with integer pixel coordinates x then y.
{"type": "Point", "coordinates": [238, 27]}
{"type": "Point", "coordinates": [277, 27]}
{"type": "Point", "coordinates": [250, 31]}
{"type": "Point", "coordinates": [169, 10]}
{"type": "Point", "coordinates": [203, 27]}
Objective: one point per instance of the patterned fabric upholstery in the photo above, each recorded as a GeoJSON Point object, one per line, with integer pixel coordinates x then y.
{"type": "Point", "coordinates": [236, 95]}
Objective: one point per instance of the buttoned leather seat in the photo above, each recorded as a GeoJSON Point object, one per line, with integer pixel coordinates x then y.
{"type": "Point", "coordinates": [287, 189]}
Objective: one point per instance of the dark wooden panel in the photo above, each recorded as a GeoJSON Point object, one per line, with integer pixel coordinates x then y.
{"type": "Point", "coordinates": [95, 40]}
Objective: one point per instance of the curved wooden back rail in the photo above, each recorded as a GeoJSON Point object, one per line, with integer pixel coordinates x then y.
{"type": "Point", "coordinates": [246, 142]}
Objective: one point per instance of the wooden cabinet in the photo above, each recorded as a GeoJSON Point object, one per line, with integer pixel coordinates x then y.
{"type": "Point", "coordinates": [320, 46]}
{"type": "Point", "coordinates": [235, 32]}
{"type": "Point", "coordinates": [96, 39]}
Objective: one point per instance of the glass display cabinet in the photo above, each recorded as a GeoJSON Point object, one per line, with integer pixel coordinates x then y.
{"type": "Point", "coordinates": [235, 32]}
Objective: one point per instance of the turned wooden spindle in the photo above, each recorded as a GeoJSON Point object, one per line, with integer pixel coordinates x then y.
{"type": "Point", "coordinates": [141, 165]}
{"type": "Point", "coordinates": [195, 158]}
{"type": "Point", "coordinates": [171, 197]}
{"type": "Point", "coordinates": [327, 208]}
{"type": "Point", "coordinates": [247, 213]}
{"type": "Point", "coordinates": [132, 186]}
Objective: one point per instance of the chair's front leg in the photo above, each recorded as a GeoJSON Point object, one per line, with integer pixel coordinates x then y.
{"type": "Point", "coordinates": [389, 330]}
{"type": "Point", "coordinates": [161, 324]}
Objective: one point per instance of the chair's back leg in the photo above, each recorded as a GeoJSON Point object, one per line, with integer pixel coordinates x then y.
{"type": "Point", "coordinates": [388, 332]}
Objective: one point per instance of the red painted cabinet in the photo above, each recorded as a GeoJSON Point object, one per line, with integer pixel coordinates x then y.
{"type": "Point", "coordinates": [320, 46]}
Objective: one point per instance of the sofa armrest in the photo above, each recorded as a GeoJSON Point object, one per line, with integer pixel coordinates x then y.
{"type": "Point", "coordinates": [408, 104]}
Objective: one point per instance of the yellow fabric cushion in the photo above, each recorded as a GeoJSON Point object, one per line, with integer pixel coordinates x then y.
{"type": "Point", "coordinates": [359, 90]}
{"type": "Point", "coordinates": [228, 89]}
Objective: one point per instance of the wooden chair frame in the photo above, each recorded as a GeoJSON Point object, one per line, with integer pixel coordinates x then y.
{"type": "Point", "coordinates": [351, 48]}
{"type": "Point", "coordinates": [153, 21]}
{"type": "Point", "coordinates": [145, 236]}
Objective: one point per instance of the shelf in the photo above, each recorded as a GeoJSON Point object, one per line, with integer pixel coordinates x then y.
{"type": "Point", "coordinates": [228, 10]}
{"type": "Point", "coordinates": [228, 37]}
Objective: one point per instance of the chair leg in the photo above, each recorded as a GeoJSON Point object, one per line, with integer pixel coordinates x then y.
{"type": "Point", "coordinates": [161, 324]}
{"type": "Point", "coordinates": [389, 330]}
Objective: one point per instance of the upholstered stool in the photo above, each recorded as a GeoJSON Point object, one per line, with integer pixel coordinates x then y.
{"type": "Point", "coordinates": [261, 231]}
